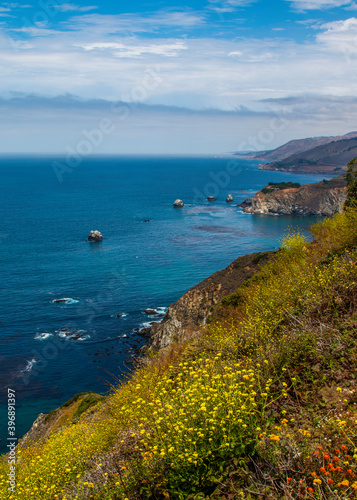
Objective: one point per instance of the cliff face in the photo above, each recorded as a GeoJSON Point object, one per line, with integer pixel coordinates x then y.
{"type": "Point", "coordinates": [321, 199]}
{"type": "Point", "coordinates": [185, 316]}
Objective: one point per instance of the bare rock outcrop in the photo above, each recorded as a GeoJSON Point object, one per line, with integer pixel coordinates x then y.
{"type": "Point", "coordinates": [95, 236]}
{"type": "Point", "coordinates": [189, 312]}
{"type": "Point", "coordinates": [324, 198]}
{"type": "Point", "coordinates": [178, 203]}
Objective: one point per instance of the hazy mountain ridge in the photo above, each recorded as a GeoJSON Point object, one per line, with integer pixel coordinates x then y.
{"type": "Point", "coordinates": [293, 147]}
{"type": "Point", "coordinates": [329, 158]}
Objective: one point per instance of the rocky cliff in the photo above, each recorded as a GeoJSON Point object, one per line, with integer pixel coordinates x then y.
{"type": "Point", "coordinates": [321, 199]}
{"type": "Point", "coordinates": [188, 313]}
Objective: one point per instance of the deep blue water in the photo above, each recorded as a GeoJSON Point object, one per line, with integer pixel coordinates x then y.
{"type": "Point", "coordinates": [45, 256]}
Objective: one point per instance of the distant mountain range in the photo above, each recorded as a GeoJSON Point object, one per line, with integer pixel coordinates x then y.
{"type": "Point", "coordinates": [293, 147]}
{"type": "Point", "coordinates": [331, 158]}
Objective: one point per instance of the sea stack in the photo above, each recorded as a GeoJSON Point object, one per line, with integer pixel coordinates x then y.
{"type": "Point", "coordinates": [178, 203]}
{"type": "Point", "coordinates": [229, 198]}
{"type": "Point", "coordinates": [95, 236]}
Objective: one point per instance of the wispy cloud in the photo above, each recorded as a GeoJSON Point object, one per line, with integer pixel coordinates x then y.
{"type": "Point", "coordinates": [101, 57]}
{"type": "Point", "coordinates": [72, 7]}
{"type": "Point", "coordinates": [222, 6]}
{"type": "Point", "coordinates": [319, 4]}
{"type": "Point", "coordinates": [122, 50]}
{"type": "Point", "coordinates": [135, 23]}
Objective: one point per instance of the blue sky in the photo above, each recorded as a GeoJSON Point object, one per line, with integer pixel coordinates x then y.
{"type": "Point", "coordinates": [164, 77]}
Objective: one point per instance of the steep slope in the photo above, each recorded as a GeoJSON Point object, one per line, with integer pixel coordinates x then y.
{"type": "Point", "coordinates": [329, 158]}
{"type": "Point", "coordinates": [185, 316]}
{"type": "Point", "coordinates": [321, 199]}
{"type": "Point", "coordinates": [260, 404]}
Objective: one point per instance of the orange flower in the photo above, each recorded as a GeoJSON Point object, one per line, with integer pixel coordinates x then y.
{"type": "Point", "coordinates": [322, 470]}
{"type": "Point", "coordinates": [327, 457]}
{"type": "Point", "coordinates": [290, 480]}
{"type": "Point", "coordinates": [330, 481]}
{"type": "Point", "coordinates": [316, 453]}
{"type": "Point", "coordinates": [349, 471]}
{"type": "Point", "coordinates": [343, 447]}
{"type": "Point", "coordinates": [336, 459]}
{"type": "Point", "coordinates": [310, 489]}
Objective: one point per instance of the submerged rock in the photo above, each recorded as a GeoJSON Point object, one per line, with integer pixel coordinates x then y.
{"type": "Point", "coordinates": [178, 203]}
{"type": "Point", "coordinates": [151, 312]}
{"type": "Point", "coordinates": [95, 236]}
{"type": "Point", "coordinates": [229, 198]}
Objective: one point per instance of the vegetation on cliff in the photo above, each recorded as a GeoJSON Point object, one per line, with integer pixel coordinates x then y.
{"type": "Point", "coordinates": [260, 404]}
{"type": "Point", "coordinates": [351, 179]}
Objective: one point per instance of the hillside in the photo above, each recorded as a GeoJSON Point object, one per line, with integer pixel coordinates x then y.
{"type": "Point", "coordinates": [323, 198]}
{"type": "Point", "coordinates": [329, 158]}
{"type": "Point", "coordinates": [294, 147]}
{"type": "Point", "coordinates": [261, 403]}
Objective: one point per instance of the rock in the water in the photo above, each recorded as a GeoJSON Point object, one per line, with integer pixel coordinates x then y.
{"type": "Point", "coordinates": [95, 236]}
{"type": "Point", "coordinates": [178, 203]}
{"type": "Point", "coordinates": [151, 312]}
{"type": "Point", "coordinates": [246, 203]}
{"type": "Point", "coordinates": [145, 332]}
{"type": "Point", "coordinates": [211, 198]}
{"type": "Point", "coordinates": [229, 198]}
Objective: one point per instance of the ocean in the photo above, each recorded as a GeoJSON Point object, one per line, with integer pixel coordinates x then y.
{"type": "Point", "coordinates": [150, 255]}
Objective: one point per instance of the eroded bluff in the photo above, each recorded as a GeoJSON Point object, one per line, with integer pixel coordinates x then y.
{"type": "Point", "coordinates": [321, 199]}
{"type": "Point", "coordinates": [189, 312]}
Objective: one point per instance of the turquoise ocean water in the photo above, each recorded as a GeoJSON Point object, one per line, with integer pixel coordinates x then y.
{"type": "Point", "coordinates": [53, 350]}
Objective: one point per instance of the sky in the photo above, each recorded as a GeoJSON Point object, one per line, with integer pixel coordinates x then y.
{"type": "Point", "coordinates": [169, 77]}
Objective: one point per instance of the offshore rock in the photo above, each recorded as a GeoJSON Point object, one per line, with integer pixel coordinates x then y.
{"type": "Point", "coordinates": [185, 316]}
{"type": "Point", "coordinates": [211, 198]}
{"type": "Point", "coordinates": [178, 203]}
{"type": "Point", "coordinates": [229, 198]}
{"type": "Point", "coordinates": [324, 198]}
{"type": "Point", "coordinates": [95, 236]}
{"type": "Point", "coordinates": [246, 203]}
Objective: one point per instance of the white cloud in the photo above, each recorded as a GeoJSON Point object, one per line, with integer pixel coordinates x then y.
{"type": "Point", "coordinates": [132, 23]}
{"type": "Point", "coordinates": [101, 58]}
{"type": "Point", "coordinates": [71, 7]}
{"type": "Point", "coordinates": [319, 4]}
{"type": "Point", "coordinates": [221, 6]}
{"type": "Point", "coordinates": [340, 37]}
{"type": "Point", "coordinates": [122, 50]}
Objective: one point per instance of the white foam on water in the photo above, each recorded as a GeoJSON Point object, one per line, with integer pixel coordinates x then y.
{"type": "Point", "coordinates": [65, 300]}
{"type": "Point", "coordinates": [30, 364]}
{"type": "Point", "coordinates": [43, 335]}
